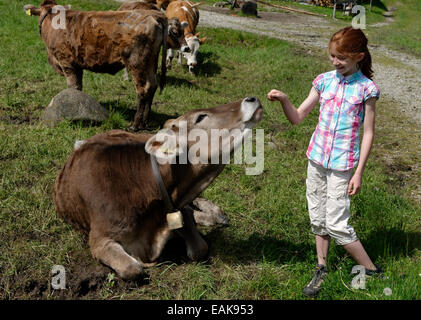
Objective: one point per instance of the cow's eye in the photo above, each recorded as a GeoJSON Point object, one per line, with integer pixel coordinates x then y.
{"type": "Point", "coordinates": [200, 117]}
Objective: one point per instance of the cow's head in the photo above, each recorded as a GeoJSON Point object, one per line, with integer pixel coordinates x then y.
{"type": "Point", "coordinates": [205, 135]}
{"type": "Point", "coordinates": [194, 43]}
{"type": "Point", "coordinates": [176, 38]}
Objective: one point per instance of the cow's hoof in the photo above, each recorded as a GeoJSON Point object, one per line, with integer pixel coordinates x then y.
{"type": "Point", "coordinates": [134, 129]}
{"type": "Point", "coordinates": [200, 253]}
{"type": "Point", "coordinates": [132, 272]}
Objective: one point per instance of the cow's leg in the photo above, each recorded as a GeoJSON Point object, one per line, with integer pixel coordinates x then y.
{"type": "Point", "coordinates": [126, 75]}
{"type": "Point", "coordinates": [208, 213]}
{"type": "Point", "coordinates": [73, 78]}
{"type": "Point", "coordinates": [139, 83]}
{"type": "Point", "coordinates": [197, 248]}
{"type": "Point", "coordinates": [113, 255]}
{"type": "Point", "coordinates": [170, 56]}
{"type": "Point", "coordinates": [146, 85]}
{"type": "Point", "coordinates": [149, 98]}
{"type": "Point", "coordinates": [180, 57]}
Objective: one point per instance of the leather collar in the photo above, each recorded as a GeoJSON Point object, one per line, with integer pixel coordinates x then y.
{"type": "Point", "coordinates": [158, 179]}
{"type": "Point", "coordinates": [42, 20]}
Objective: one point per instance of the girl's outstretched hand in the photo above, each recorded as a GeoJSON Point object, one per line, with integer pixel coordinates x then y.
{"type": "Point", "coordinates": [276, 95]}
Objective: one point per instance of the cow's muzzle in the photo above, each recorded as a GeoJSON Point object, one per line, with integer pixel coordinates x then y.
{"type": "Point", "coordinates": [251, 109]}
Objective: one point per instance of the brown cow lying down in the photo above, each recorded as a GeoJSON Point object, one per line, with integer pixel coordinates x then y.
{"type": "Point", "coordinates": [106, 42]}
{"type": "Point", "coordinates": [109, 188]}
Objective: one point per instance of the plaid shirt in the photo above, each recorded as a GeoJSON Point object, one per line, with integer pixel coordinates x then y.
{"type": "Point", "coordinates": [335, 142]}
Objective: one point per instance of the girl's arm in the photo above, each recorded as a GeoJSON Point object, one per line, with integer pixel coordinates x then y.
{"type": "Point", "coordinates": [354, 185]}
{"type": "Point", "coordinates": [295, 116]}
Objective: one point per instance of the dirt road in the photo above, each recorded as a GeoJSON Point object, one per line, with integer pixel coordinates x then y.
{"type": "Point", "coordinates": [399, 79]}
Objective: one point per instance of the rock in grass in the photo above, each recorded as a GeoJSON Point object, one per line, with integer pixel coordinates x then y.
{"type": "Point", "coordinates": [73, 105]}
{"type": "Point", "coordinates": [249, 8]}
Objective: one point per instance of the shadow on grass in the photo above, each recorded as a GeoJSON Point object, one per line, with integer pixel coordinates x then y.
{"type": "Point", "coordinates": [379, 4]}
{"type": "Point", "coordinates": [380, 244]}
{"type": "Point", "coordinates": [128, 111]}
{"type": "Point", "coordinates": [178, 82]}
{"type": "Point", "coordinates": [207, 67]}
{"type": "Point", "coordinates": [257, 247]}
{"type": "Point", "coordinates": [392, 243]}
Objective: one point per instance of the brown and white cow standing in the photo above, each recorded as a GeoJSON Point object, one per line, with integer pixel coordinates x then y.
{"type": "Point", "coordinates": [175, 40]}
{"type": "Point", "coordinates": [113, 188]}
{"type": "Point", "coordinates": [186, 10]}
{"type": "Point", "coordinates": [106, 42]}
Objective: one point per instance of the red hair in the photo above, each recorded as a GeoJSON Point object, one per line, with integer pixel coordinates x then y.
{"type": "Point", "coordinates": [351, 42]}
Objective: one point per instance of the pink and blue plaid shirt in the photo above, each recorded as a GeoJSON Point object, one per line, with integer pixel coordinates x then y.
{"type": "Point", "coordinates": [335, 142]}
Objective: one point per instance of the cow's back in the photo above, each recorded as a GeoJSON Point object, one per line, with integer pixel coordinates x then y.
{"type": "Point", "coordinates": [100, 181]}
{"type": "Point", "coordinates": [184, 11]}
{"type": "Point", "coordinates": [100, 40]}
{"type": "Point", "coordinates": [138, 5]}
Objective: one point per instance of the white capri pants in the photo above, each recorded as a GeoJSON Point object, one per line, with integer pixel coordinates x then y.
{"type": "Point", "coordinates": [329, 203]}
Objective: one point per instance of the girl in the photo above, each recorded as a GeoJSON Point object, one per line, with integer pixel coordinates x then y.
{"type": "Point", "coordinates": [347, 98]}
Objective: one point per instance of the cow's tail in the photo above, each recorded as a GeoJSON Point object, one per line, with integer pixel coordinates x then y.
{"type": "Point", "coordinates": [163, 78]}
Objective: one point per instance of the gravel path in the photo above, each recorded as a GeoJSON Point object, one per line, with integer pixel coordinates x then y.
{"type": "Point", "coordinates": [399, 80]}
{"type": "Point", "coordinates": [400, 84]}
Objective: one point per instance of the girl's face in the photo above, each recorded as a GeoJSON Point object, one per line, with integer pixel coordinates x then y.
{"type": "Point", "coordinates": [344, 65]}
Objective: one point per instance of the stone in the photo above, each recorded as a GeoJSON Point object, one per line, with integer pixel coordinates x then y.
{"type": "Point", "coordinates": [73, 105]}
{"type": "Point", "coordinates": [249, 8]}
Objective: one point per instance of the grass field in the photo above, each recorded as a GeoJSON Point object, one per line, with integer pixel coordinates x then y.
{"type": "Point", "coordinates": [267, 252]}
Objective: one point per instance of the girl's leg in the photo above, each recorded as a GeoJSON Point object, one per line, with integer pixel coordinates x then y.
{"type": "Point", "coordinates": [338, 214]}
{"type": "Point", "coordinates": [316, 200]}
{"type": "Point", "coordinates": [358, 253]}
{"type": "Point", "coordinates": [322, 247]}
{"type": "Point", "coordinates": [316, 193]}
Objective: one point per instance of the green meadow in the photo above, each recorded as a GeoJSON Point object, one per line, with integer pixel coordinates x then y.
{"type": "Point", "coordinates": [267, 251]}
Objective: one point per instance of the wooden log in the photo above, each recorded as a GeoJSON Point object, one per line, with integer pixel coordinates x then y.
{"type": "Point", "coordinates": [290, 9]}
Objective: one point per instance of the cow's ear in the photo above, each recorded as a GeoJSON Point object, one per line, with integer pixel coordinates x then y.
{"type": "Point", "coordinates": [32, 10]}
{"type": "Point", "coordinates": [203, 40]}
{"type": "Point", "coordinates": [163, 145]}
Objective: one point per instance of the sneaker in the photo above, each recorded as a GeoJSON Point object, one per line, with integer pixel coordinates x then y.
{"type": "Point", "coordinates": [369, 273]}
{"type": "Point", "coordinates": [313, 288]}
{"type": "Point", "coordinates": [377, 272]}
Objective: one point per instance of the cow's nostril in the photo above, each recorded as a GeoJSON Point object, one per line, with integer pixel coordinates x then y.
{"type": "Point", "coordinates": [251, 99]}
